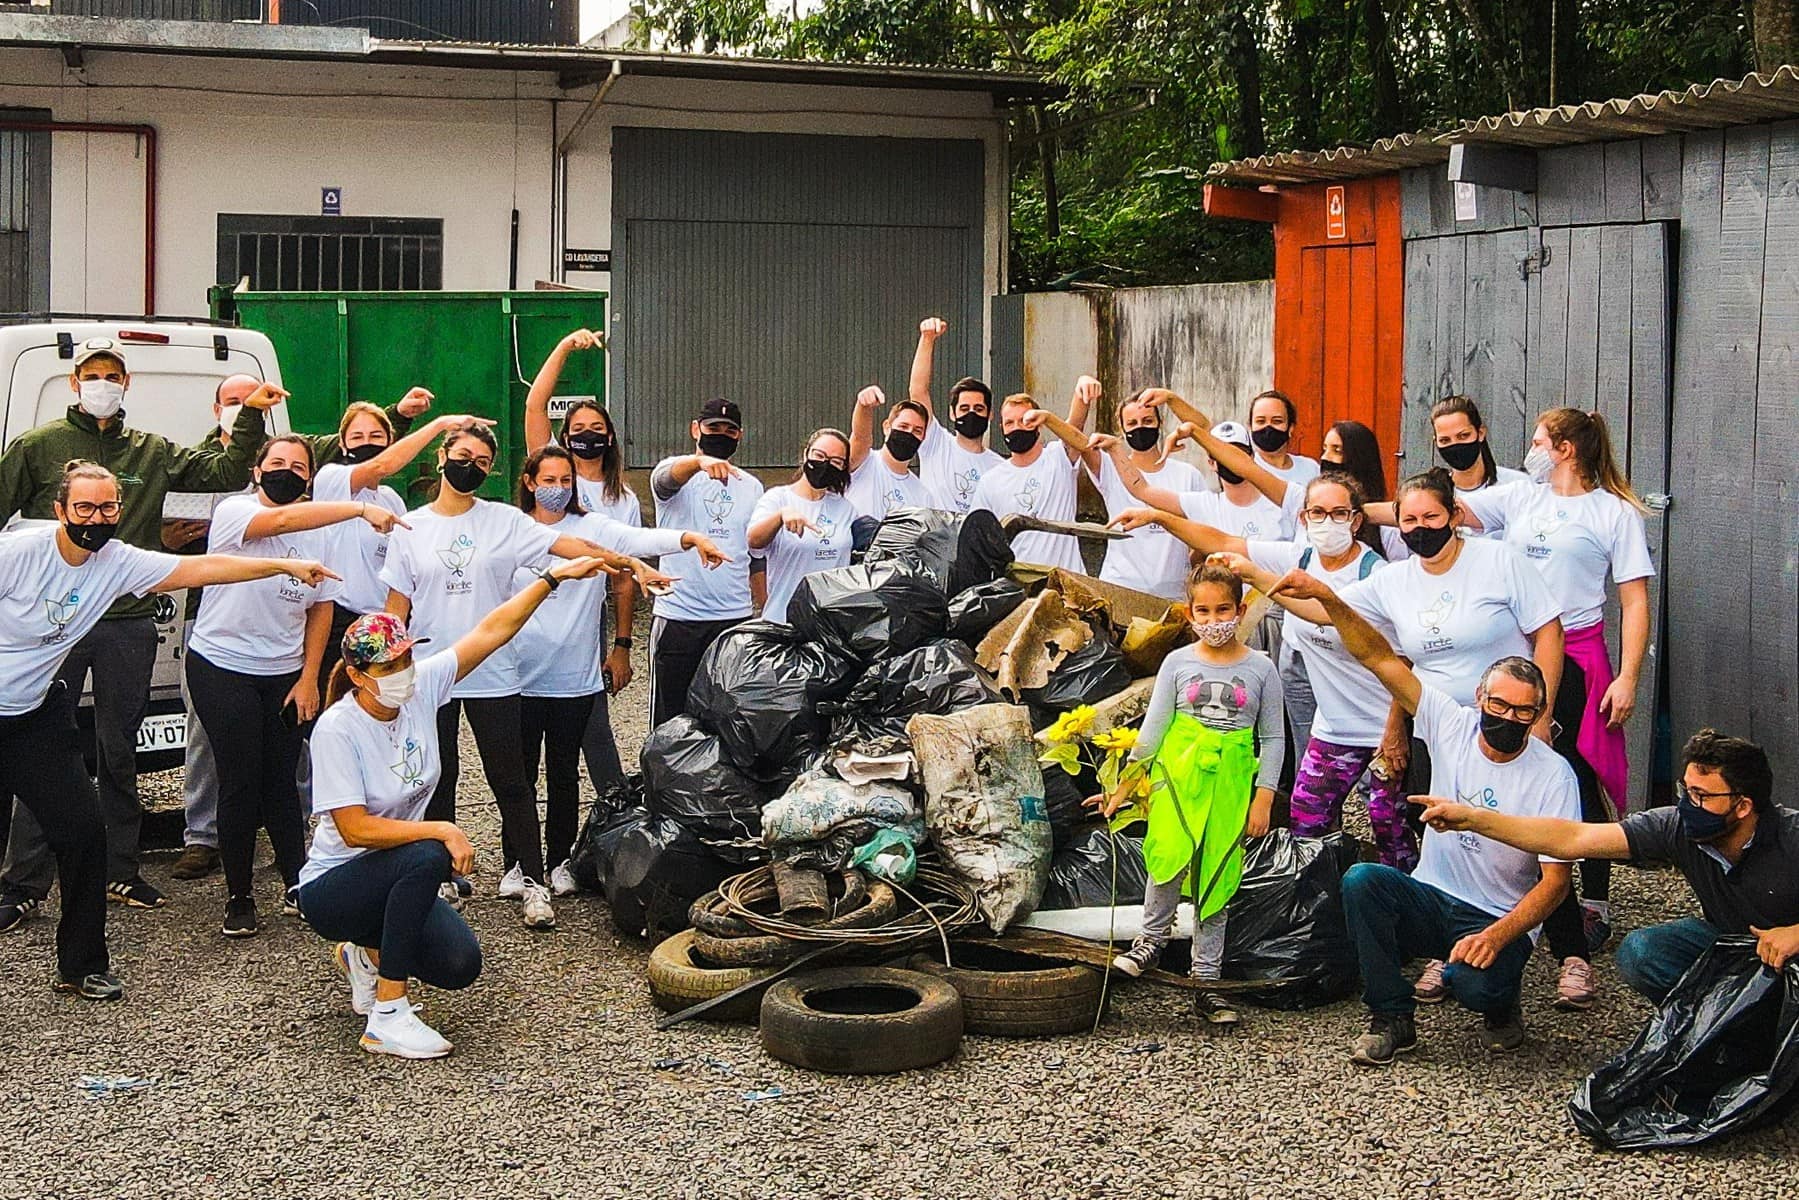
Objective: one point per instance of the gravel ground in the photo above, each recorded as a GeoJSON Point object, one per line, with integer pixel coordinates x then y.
{"type": "Point", "coordinates": [556, 1088]}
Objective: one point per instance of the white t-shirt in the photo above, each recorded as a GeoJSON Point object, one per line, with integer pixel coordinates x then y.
{"type": "Point", "coordinates": [1455, 625]}
{"type": "Point", "coordinates": [1262, 520]}
{"type": "Point", "coordinates": [626, 510]}
{"type": "Point", "coordinates": [1045, 490]}
{"type": "Point", "coordinates": [388, 767]}
{"type": "Point", "coordinates": [1575, 541]}
{"type": "Point", "coordinates": [1302, 472]}
{"type": "Point", "coordinates": [1503, 476]}
{"type": "Point", "coordinates": [558, 650]}
{"type": "Point", "coordinates": [875, 491]}
{"type": "Point", "coordinates": [1153, 560]}
{"type": "Point", "coordinates": [358, 552]}
{"type": "Point", "coordinates": [1490, 875]}
{"type": "Point", "coordinates": [951, 473]}
{"type": "Point", "coordinates": [458, 569]}
{"type": "Point", "coordinates": [791, 557]}
{"type": "Point", "coordinates": [259, 628]}
{"type": "Point", "coordinates": [46, 605]}
{"type": "Point", "coordinates": [720, 511]}
{"type": "Point", "coordinates": [1352, 703]}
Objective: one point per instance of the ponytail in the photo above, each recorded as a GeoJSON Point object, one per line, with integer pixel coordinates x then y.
{"type": "Point", "coordinates": [1592, 441]}
{"type": "Point", "coordinates": [339, 685]}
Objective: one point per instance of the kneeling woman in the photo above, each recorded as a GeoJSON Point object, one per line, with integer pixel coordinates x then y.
{"type": "Point", "coordinates": [376, 865]}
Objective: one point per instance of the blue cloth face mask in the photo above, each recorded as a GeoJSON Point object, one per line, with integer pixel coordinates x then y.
{"type": "Point", "coordinates": [554, 499]}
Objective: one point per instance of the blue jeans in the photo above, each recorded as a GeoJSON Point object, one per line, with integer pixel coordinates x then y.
{"type": "Point", "coordinates": [387, 900]}
{"type": "Point", "coordinates": [1652, 960]}
{"type": "Point", "coordinates": [1393, 917]}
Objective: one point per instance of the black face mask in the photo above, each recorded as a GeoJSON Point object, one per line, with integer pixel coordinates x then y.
{"type": "Point", "coordinates": [1426, 542]}
{"type": "Point", "coordinates": [91, 537]}
{"type": "Point", "coordinates": [1460, 455]}
{"type": "Point", "coordinates": [362, 453]}
{"type": "Point", "coordinates": [902, 445]}
{"type": "Point", "coordinates": [1269, 438]}
{"type": "Point", "coordinates": [972, 425]}
{"type": "Point", "coordinates": [825, 476]}
{"type": "Point", "coordinates": [587, 444]}
{"type": "Point", "coordinates": [717, 445]}
{"type": "Point", "coordinates": [1503, 734]}
{"type": "Point", "coordinates": [283, 486]}
{"type": "Point", "coordinates": [1225, 474]}
{"type": "Point", "coordinates": [1020, 441]}
{"type": "Point", "coordinates": [1144, 437]}
{"type": "Point", "coordinates": [464, 475]}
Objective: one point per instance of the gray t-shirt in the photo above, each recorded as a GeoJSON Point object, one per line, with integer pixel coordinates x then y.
{"type": "Point", "coordinates": [1245, 694]}
{"type": "Point", "coordinates": [1762, 889]}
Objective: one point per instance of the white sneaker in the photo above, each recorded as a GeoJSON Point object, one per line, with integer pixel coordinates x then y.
{"type": "Point", "coordinates": [452, 896]}
{"type": "Point", "coordinates": [512, 883]}
{"type": "Point", "coordinates": [355, 964]}
{"type": "Point", "coordinates": [401, 1034]}
{"type": "Point", "coordinates": [562, 881]}
{"type": "Point", "coordinates": [538, 913]}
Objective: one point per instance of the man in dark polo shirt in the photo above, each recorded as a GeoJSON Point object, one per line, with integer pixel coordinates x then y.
{"type": "Point", "coordinates": [1738, 850]}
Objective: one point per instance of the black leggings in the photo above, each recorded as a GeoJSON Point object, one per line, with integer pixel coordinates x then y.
{"type": "Point", "coordinates": [554, 726]}
{"type": "Point", "coordinates": [1564, 929]}
{"type": "Point", "coordinates": [386, 900]}
{"type": "Point", "coordinates": [498, 726]}
{"type": "Point", "coordinates": [256, 751]}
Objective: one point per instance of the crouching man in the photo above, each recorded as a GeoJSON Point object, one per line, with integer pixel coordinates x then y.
{"type": "Point", "coordinates": [1472, 901]}
{"type": "Point", "coordinates": [1738, 851]}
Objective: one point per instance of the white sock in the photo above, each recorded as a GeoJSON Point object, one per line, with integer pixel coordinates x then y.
{"type": "Point", "coordinates": [1602, 907]}
{"type": "Point", "coordinates": [388, 1008]}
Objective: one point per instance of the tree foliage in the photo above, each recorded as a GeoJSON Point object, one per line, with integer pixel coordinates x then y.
{"type": "Point", "coordinates": [1107, 182]}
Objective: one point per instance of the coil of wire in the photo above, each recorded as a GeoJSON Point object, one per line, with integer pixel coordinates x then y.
{"type": "Point", "coordinates": [941, 902]}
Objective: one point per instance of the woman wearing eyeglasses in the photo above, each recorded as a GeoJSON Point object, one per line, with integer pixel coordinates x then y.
{"type": "Point", "coordinates": [804, 525]}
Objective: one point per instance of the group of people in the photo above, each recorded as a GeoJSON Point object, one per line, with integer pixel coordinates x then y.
{"type": "Point", "coordinates": [343, 636]}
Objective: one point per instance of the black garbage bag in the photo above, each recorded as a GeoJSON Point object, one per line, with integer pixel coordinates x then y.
{"type": "Point", "coordinates": [659, 869]}
{"type": "Point", "coordinates": [1089, 675]}
{"type": "Point", "coordinates": [1720, 1055]}
{"type": "Point", "coordinates": [872, 611]}
{"type": "Point", "coordinates": [1082, 873]}
{"type": "Point", "coordinates": [689, 779]}
{"type": "Point", "coordinates": [960, 550]}
{"type": "Point", "coordinates": [939, 678]}
{"type": "Point", "coordinates": [613, 810]}
{"type": "Point", "coordinates": [1285, 924]}
{"type": "Point", "coordinates": [973, 613]}
{"type": "Point", "coordinates": [1063, 797]}
{"type": "Point", "coordinates": [758, 688]}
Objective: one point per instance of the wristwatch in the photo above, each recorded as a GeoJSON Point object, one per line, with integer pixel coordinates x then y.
{"type": "Point", "coordinates": [549, 578]}
{"type": "Point", "coordinates": [623, 643]}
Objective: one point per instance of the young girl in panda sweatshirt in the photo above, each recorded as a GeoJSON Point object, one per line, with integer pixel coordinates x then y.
{"type": "Point", "coordinates": [1215, 743]}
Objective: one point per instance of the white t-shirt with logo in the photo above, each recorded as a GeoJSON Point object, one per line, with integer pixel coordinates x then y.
{"type": "Point", "coordinates": [1261, 520]}
{"type": "Point", "coordinates": [1476, 870]}
{"type": "Point", "coordinates": [720, 511]}
{"type": "Point", "coordinates": [1153, 560]}
{"type": "Point", "coordinates": [1302, 472]}
{"type": "Point", "coordinates": [875, 491]}
{"type": "Point", "coordinates": [456, 570]}
{"type": "Point", "coordinates": [1455, 625]}
{"type": "Point", "coordinates": [46, 605]}
{"type": "Point", "coordinates": [1045, 490]}
{"type": "Point", "coordinates": [358, 552]}
{"type": "Point", "coordinates": [951, 473]}
{"type": "Point", "coordinates": [1352, 703]}
{"type": "Point", "coordinates": [626, 510]}
{"type": "Point", "coordinates": [388, 767]}
{"type": "Point", "coordinates": [259, 628]}
{"type": "Point", "coordinates": [1575, 541]}
{"type": "Point", "coordinates": [793, 556]}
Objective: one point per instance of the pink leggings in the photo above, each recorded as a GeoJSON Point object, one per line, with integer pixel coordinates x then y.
{"type": "Point", "coordinates": [1325, 777]}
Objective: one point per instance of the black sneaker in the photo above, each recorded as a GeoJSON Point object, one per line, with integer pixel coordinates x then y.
{"type": "Point", "coordinates": [196, 862]}
{"type": "Point", "coordinates": [1386, 1037]}
{"type": "Point", "coordinates": [240, 917]}
{"type": "Point", "coordinates": [92, 987]}
{"type": "Point", "coordinates": [16, 910]}
{"type": "Point", "coordinates": [1502, 1033]}
{"type": "Point", "coordinates": [1215, 1009]}
{"type": "Point", "coordinates": [135, 893]}
{"type": "Point", "coordinates": [290, 901]}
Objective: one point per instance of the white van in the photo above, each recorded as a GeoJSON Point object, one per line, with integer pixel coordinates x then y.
{"type": "Point", "coordinates": [176, 367]}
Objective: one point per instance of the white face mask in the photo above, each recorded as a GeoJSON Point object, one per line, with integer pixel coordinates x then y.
{"type": "Point", "coordinates": [396, 689]}
{"type": "Point", "coordinates": [1538, 464]}
{"type": "Point", "coordinates": [1330, 538]}
{"type": "Point", "coordinates": [228, 417]}
{"type": "Point", "coordinates": [101, 398]}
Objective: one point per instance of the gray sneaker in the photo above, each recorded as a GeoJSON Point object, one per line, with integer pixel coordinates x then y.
{"type": "Point", "coordinates": [92, 987]}
{"type": "Point", "coordinates": [1143, 956]}
{"type": "Point", "coordinates": [1502, 1033]}
{"type": "Point", "coordinates": [1386, 1037]}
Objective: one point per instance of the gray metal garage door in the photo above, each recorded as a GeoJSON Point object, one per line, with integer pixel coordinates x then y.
{"type": "Point", "coordinates": [784, 271]}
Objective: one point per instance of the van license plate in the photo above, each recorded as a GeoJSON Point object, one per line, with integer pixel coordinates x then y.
{"type": "Point", "coordinates": [168, 732]}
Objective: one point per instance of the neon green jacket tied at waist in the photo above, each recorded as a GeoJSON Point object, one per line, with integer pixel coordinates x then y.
{"type": "Point", "coordinates": [148, 465]}
{"type": "Point", "coordinates": [1204, 781]}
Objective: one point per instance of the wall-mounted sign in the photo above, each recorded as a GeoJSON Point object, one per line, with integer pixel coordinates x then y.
{"type": "Point", "coordinates": [331, 202]}
{"type": "Point", "coordinates": [558, 406]}
{"type": "Point", "coordinates": [1336, 220]}
{"type": "Point", "coordinates": [1466, 206]}
{"type": "Point", "coordinates": [586, 260]}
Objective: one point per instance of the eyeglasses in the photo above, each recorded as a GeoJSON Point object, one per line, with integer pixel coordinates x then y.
{"type": "Point", "coordinates": [87, 510]}
{"type": "Point", "coordinates": [1703, 798]}
{"type": "Point", "coordinates": [484, 461]}
{"type": "Point", "coordinates": [1341, 516]}
{"type": "Point", "coordinates": [1525, 713]}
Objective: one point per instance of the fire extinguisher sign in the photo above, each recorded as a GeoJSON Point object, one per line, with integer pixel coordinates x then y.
{"type": "Point", "coordinates": [1336, 221]}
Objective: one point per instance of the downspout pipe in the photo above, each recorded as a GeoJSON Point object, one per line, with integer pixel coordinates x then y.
{"type": "Point", "coordinates": [148, 134]}
{"type": "Point", "coordinates": [562, 146]}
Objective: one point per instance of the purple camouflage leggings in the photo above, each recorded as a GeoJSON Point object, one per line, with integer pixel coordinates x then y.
{"type": "Point", "coordinates": [1325, 777]}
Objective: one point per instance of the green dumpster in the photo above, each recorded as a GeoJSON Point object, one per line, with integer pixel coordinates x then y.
{"type": "Point", "coordinates": [477, 351]}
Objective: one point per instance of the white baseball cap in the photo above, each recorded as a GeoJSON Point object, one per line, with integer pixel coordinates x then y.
{"type": "Point", "coordinates": [1232, 432]}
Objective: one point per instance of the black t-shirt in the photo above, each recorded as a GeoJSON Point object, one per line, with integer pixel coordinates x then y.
{"type": "Point", "coordinates": [1761, 890]}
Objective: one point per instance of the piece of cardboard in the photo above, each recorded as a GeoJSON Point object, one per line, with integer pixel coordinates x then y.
{"type": "Point", "coordinates": [1022, 650]}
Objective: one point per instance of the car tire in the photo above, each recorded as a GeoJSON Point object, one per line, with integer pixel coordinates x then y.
{"type": "Point", "coordinates": [769, 950]}
{"type": "Point", "coordinates": [1006, 994]}
{"type": "Point", "coordinates": [679, 979]}
{"type": "Point", "coordinates": [861, 1021]}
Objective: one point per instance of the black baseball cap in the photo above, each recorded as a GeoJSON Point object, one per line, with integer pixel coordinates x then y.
{"type": "Point", "coordinates": [721, 410]}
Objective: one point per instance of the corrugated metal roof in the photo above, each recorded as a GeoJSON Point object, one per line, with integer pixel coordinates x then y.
{"type": "Point", "coordinates": [1712, 105]}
